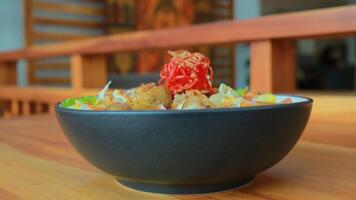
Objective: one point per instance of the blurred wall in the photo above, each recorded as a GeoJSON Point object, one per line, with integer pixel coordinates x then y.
{"type": "Point", "coordinates": [11, 25]}
{"type": "Point", "coordinates": [12, 31]}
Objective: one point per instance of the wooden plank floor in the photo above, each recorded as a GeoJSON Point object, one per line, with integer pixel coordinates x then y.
{"type": "Point", "coordinates": [36, 162]}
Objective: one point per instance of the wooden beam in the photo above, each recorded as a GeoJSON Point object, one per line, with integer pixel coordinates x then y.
{"type": "Point", "coordinates": [273, 66]}
{"type": "Point", "coordinates": [88, 71]}
{"type": "Point", "coordinates": [316, 23]}
{"type": "Point", "coordinates": [41, 94]}
{"type": "Point", "coordinates": [68, 22]}
{"type": "Point", "coordinates": [8, 75]}
{"type": "Point", "coordinates": [51, 36]}
{"type": "Point", "coordinates": [67, 8]}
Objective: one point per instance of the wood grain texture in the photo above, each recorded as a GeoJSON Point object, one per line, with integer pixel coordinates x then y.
{"type": "Point", "coordinates": [8, 74]}
{"type": "Point", "coordinates": [41, 94]}
{"type": "Point", "coordinates": [6, 106]}
{"type": "Point", "coordinates": [334, 115]}
{"type": "Point", "coordinates": [15, 108]}
{"type": "Point", "coordinates": [51, 66]}
{"type": "Point", "coordinates": [273, 66]}
{"type": "Point", "coordinates": [88, 72]}
{"type": "Point", "coordinates": [53, 36]}
{"type": "Point", "coordinates": [67, 8]}
{"type": "Point", "coordinates": [51, 81]}
{"type": "Point", "coordinates": [38, 107]}
{"type": "Point", "coordinates": [26, 108]}
{"type": "Point", "coordinates": [316, 23]}
{"type": "Point", "coordinates": [37, 162]}
{"type": "Point", "coordinates": [28, 21]}
{"type": "Point", "coordinates": [68, 23]}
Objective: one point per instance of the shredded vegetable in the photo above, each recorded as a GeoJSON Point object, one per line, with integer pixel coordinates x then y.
{"type": "Point", "coordinates": [187, 71]}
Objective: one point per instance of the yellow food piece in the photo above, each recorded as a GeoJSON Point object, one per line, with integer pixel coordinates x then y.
{"type": "Point", "coordinates": [266, 98]}
{"type": "Point", "coordinates": [228, 102]}
{"type": "Point", "coordinates": [150, 96]}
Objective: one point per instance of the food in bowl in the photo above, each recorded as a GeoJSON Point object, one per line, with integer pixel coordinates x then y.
{"type": "Point", "coordinates": [186, 83]}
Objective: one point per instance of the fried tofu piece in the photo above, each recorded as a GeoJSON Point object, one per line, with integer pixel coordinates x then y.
{"type": "Point", "coordinates": [149, 96]}
{"type": "Point", "coordinates": [192, 99]}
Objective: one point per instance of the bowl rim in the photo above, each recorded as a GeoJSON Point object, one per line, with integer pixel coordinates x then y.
{"type": "Point", "coordinates": [208, 110]}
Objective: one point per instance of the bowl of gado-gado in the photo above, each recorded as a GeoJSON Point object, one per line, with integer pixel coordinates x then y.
{"type": "Point", "coordinates": [182, 135]}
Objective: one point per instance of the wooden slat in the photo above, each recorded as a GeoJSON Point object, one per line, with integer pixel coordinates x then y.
{"type": "Point", "coordinates": [317, 23]}
{"type": "Point", "coordinates": [8, 75]}
{"type": "Point", "coordinates": [15, 108]}
{"type": "Point", "coordinates": [35, 80]}
{"type": "Point", "coordinates": [6, 108]}
{"type": "Point", "coordinates": [41, 94]}
{"type": "Point", "coordinates": [38, 36]}
{"type": "Point", "coordinates": [52, 66]}
{"type": "Point", "coordinates": [93, 1]}
{"type": "Point", "coordinates": [68, 22]}
{"type": "Point", "coordinates": [51, 108]}
{"type": "Point", "coordinates": [26, 108]}
{"type": "Point", "coordinates": [222, 5]}
{"type": "Point", "coordinates": [28, 22]}
{"type": "Point", "coordinates": [28, 27]}
{"type": "Point", "coordinates": [52, 80]}
{"type": "Point", "coordinates": [31, 72]}
{"type": "Point", "coordinates": [88, 71]}
{"type": "Point", "coordinates": [273, 66]}
{"type": "Point", "coordinates": [38, 107]}
{"type": "Point", "coordinates": [67, 8]}
{"type": "Point", "coordinates": [77, 72]}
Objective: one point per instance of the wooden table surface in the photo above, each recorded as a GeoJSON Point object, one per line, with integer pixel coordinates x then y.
{"type": "Point", "coordinates": [36, 162]}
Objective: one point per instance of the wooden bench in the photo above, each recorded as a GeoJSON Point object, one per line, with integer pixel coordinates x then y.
{"type": "Point", "coordinates": [272, 40]}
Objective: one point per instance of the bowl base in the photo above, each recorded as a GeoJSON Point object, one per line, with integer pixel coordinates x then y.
{"type": "Point", "coordinates": [184, 189]}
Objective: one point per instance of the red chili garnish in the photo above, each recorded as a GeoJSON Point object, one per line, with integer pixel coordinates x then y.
{"type": "Point", "coordinates": [186, 71]}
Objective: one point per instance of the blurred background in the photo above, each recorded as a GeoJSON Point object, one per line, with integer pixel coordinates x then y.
{"type": "Point", "coordinates": [322, 64]}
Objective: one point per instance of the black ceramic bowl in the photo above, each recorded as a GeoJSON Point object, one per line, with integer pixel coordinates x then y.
{"type": "Point", "coordinates": [190, 151]}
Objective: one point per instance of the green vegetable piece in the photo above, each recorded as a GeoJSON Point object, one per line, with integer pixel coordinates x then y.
{"type": "Point", "coordinates": [84, 100]}
{"type": "Point", "coordinates": [241, 92]}
{"type": "Point", "coordinates": [88, 100]}
{"type": "Point", "coordinates": [67, 102]}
